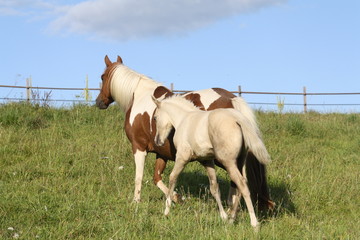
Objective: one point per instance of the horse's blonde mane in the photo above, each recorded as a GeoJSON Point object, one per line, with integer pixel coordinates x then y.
{"type": "Point", "coordinates": [124, 82]}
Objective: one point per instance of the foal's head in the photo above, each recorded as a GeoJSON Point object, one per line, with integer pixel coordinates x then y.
{"type": "Point", "coordinates": [163, 123]}
{"type": "Point", "coordinates": [104, 98]}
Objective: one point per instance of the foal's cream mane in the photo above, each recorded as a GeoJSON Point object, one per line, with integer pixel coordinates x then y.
{"type": "Point", "coordinates": [124, 83]}
{"type": "Point", "coordinates": [181, 102]}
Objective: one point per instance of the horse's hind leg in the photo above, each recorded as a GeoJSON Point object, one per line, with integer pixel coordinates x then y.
{"type": "Point", "coordinates": [214, 186]}
{"type": "Point", "coordinates": [233, 193]}
{"type": "Point", "coordinates": [241, 184]}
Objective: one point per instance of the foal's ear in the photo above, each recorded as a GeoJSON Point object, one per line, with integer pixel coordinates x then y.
{"type": "Point", "coordinates": [156, 101]}
{"type": "Point", "coordinates": [119, 59]}
{"type": "Point", "coordinates": [107, 61]}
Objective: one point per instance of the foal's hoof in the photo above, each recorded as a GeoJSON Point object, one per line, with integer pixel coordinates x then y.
{"type": "Point", "coordinates": [223, 216]}
{"type": "Point", "coordinates": [256, 227]}
{"type": "Point", "coordinates": [136, 200]}
{"type": "Point", "coordinates": [177, 198]}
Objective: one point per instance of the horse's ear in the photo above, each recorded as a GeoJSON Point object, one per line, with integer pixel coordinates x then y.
{"type": "Point", "coordinates": [156, 101]}
{"type": "Point", "coordinates": [119, 59]}
{"type": "Point", "coordinates": [107, 61]}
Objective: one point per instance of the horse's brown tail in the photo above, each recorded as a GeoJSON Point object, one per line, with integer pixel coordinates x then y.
{"type": "Point", "coordinates": [256, 176]}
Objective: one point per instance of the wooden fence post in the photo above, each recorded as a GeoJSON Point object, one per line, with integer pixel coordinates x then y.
{"type": "Point", "coordinates": [239, 89]}
{"type": "Point", "coordinates": [305, 102]}
{"type": "Point", "coordinates": [86, 90]}
{"type": "Point", "coordinates": [28, 89]}
{"type": "Point", "coordinates": [171, 86]}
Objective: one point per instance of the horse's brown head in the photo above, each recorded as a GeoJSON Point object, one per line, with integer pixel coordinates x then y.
{"type": "Point", "coordinates": [104, 98]}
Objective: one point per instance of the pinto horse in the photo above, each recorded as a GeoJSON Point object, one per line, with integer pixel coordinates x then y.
{"type": "Point", "coordinates": [199, 135]}
{"type": "Point", "coordinates": [133, 93]}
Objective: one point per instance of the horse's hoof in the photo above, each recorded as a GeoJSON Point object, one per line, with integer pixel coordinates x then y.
{"type": "Point", "coordinates": [271, 205]}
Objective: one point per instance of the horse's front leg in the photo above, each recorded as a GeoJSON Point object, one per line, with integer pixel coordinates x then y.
{"type": "Point", "coordinates": [160, 165]}
{"type": "Point", "coordinates": [178, 167]}
{"type": "Point", "coordinates": [139, 168]}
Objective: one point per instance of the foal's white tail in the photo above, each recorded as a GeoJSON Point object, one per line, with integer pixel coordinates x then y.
{"type": "Point", "coordinates": [240, 105]}
{"type": "Point", "coordinates": [251, 133]}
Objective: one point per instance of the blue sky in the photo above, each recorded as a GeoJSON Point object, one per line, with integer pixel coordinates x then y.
{"type": "Point", "coordinates": [262, 45]}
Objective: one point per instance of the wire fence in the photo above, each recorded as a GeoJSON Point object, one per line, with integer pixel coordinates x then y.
{"type": "Point", "coordinates": [33, 95]}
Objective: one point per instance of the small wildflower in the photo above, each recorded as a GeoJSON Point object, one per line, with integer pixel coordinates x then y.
{"type": "Point", "coordinates": [10, 228]}
{"type": "Point", "coordinates": [121, 167]}
{"type": "Point", "coordinates": [16, 235]}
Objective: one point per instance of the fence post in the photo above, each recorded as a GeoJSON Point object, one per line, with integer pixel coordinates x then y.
{"type": "Point", "coordinates": [305, 102]}
{"type": "Point", "coordinates": [171, 86]}
{"type": "Point", "coordinates": [239, 89]}
{"type": "Point", "coordinates": [28, 89]}
{"type": "Point", "coordinates": [86, 90]}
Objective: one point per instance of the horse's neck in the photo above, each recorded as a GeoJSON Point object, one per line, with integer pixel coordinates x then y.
{"type": "Point", "coordinates": [145, 88]}
{"type": "Point", "coordinates": [177, 113]}
{"type": "Point", "coordinates": [126, 84]}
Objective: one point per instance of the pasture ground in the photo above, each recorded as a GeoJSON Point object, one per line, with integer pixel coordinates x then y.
{"type": "Point", "coordinates": [69, 174]}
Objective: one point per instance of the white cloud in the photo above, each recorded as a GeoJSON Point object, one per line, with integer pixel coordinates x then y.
{"type": "Point", "coordinates": [24, 7]}
{"type": "Point", "coordinates": [129, 19]}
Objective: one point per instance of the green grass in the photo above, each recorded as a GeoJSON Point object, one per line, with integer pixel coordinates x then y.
{"type": "Point", "coordinates": [60, 179]}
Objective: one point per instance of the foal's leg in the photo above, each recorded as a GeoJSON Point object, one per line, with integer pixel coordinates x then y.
{"type": "Point", "coordinates": [214, 186]}
{"type": "Point", "coordinates": [241, 184]}
{"type": "Point", "coordinates": [233, 194]}
{"type": "Point", "coordinates": [139, 166]}
{"type": "Point", "coordinates": [178, 167]}
{"type": "Point", "coordinates": [240, 161]}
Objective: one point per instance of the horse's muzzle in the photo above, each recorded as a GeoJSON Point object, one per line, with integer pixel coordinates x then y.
{"type": "Point", "coordinates": [100, 104]}
{"type": "Point", "coordinates": [158, 142]}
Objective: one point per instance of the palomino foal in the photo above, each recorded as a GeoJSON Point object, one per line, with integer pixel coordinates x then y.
{"type": "Point", "coordinates": [204, 136]}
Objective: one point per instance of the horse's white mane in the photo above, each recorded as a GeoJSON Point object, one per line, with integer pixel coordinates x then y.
{"type": "Point", "coordinates": [181, 101]}
{"type": "Point", "coordinates": [124, 82]}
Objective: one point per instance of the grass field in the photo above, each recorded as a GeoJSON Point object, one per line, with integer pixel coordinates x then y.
{"type": "Point", "coordinates": [69, 173]}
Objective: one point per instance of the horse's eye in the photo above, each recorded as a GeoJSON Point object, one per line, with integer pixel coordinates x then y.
{"type": "Point", "coordinates": [154, 118]}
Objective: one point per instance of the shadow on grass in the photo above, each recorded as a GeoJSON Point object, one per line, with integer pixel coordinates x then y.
{"type": "Point", "coordinates": [281, 195]}
{"type": "Point", "coordinates": [196, 185]}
